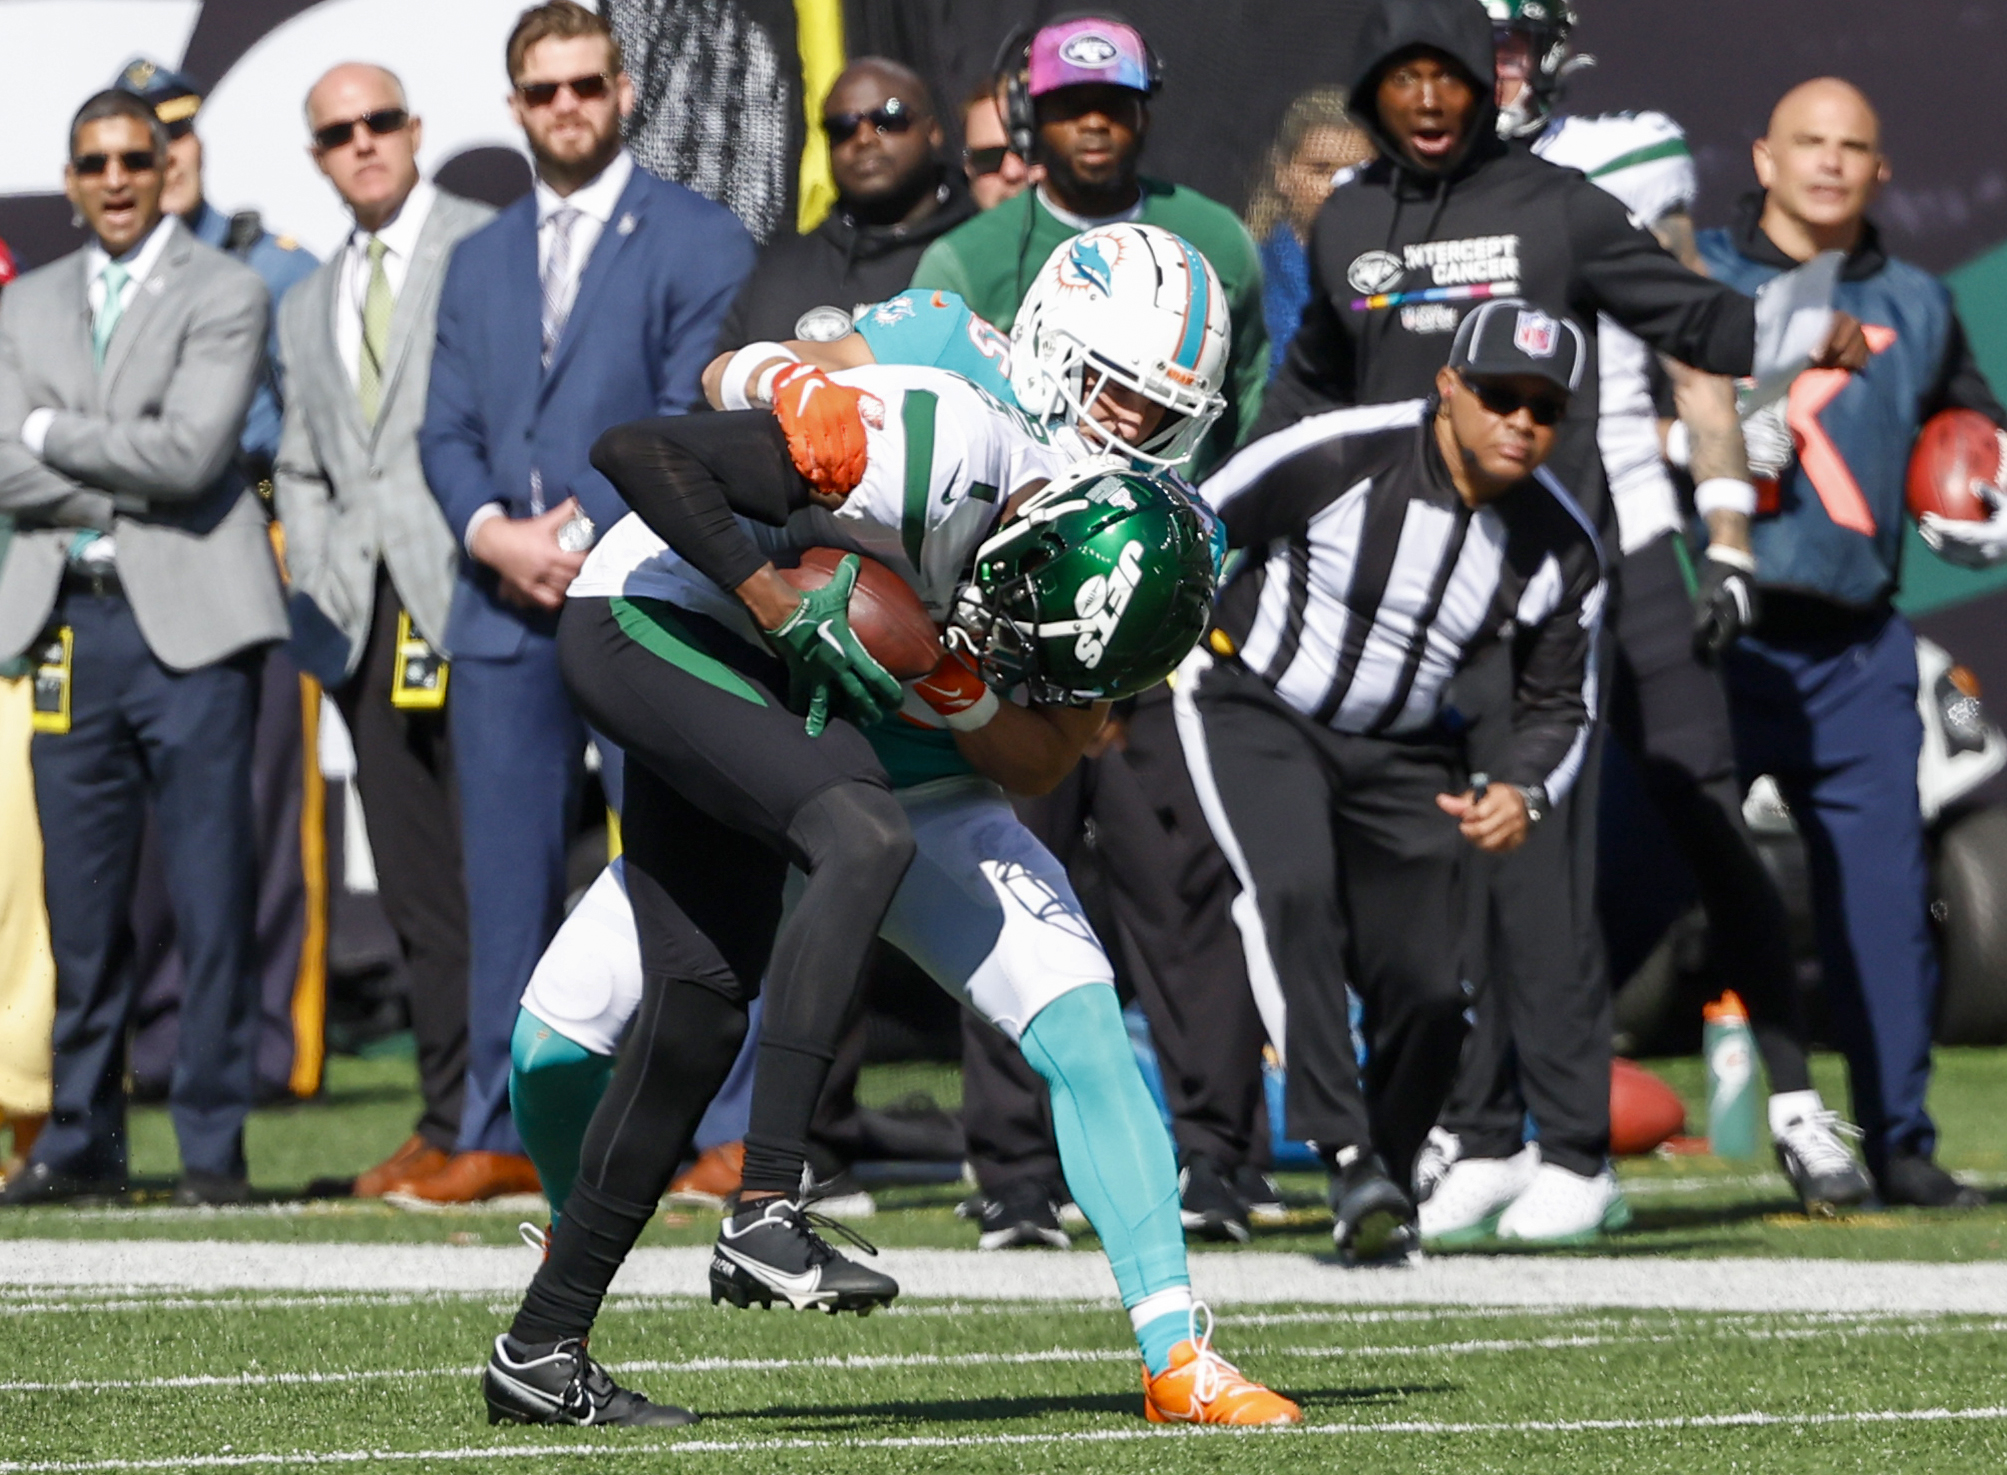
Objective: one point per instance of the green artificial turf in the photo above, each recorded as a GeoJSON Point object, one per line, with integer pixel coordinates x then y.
{"type": "Point", "coordinates": [287, 1381]}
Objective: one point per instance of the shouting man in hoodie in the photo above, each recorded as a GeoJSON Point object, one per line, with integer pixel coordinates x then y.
{"type": "Point", "coordinates": [1445, 218]}
{"type": "Point", "coordinates": [894, 197]}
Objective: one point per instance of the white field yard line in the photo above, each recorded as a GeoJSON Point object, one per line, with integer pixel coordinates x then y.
{"type": "Point", "coordinates": [1257, 1278]}
{"type": "Point", "coordinates": [1059, 1355]}
{"type": "Point", "coordinates": [657, 1450]}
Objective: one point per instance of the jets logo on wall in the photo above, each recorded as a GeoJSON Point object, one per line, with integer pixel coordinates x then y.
{"type": "Point", "coordinates": [1536, 334]}
{"type": "Point", "coordinates": [1375, 272]}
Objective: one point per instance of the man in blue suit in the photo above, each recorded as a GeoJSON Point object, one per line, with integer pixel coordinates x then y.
{"type": "Point", "coordinates": [593, 301]}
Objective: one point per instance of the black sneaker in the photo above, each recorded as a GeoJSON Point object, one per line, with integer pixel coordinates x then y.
{"type": "Point", "coordinates": [1812, 1151]}
{"type": "Point", "coordinates": [1261, 1194]}
{"type": "Point", "coordinates": [1917, 1182]}
{"type": "Point", "coordinates": [771, 1249]}
{"type": "Point", "coordinates": [207, 1190]}
{"type": "Point", "coordinates": [1373, 1221]}
{"type": "Point", "coordinates": [38, 1183]}
{"type": "Point", "coordinates": [1023, 1216]}
{"type": "Point", "coordinates": [558, 1384]}
{"type": "Point", "coordinates": [1209, 1205]}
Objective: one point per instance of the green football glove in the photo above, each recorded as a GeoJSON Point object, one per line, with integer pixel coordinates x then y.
{"type": "Point", "coordinates": [826, 660]}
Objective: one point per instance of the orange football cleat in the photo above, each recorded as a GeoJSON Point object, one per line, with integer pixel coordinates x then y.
{"type": "Point", "coordinates": [1201, 1387]}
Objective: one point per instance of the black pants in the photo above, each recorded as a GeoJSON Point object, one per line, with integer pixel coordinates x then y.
{"type": "Point", "coordinates": [723, 791]}
{"type": "Point", "coordinates": [404, 770]}
{"type": "Point", "coordinates": [1159, 891]}
{"type": "Point", "coordinates": [180, 740]}
{"type": "Point", "coordinates": [1542, 1038]}
{"type": "Point", "coordinates": [1356, 875]}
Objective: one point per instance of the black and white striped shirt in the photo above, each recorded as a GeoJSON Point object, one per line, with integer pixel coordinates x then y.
{"type": "Point", "coordinates": [1369, 583]}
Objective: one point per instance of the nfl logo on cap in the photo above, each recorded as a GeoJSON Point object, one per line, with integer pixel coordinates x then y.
{"type": "Point", "coordinates": [1535, 334]}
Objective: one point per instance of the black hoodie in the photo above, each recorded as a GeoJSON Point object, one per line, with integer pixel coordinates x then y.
{"type": "Point", "coordinates": [1398, 254]}
{"type": "Point", "coordinates": [842, 264]}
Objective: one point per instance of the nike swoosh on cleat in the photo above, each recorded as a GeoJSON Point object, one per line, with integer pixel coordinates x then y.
{"type": "Point", "coordinates": [802, 1289]}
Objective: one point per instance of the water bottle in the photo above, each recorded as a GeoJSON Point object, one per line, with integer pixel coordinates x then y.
{"type": "Point", "coordinates": [1732, 1107]}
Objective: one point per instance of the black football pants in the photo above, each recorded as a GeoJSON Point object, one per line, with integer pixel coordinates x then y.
{"type": "Point", "coordinates": [1356, 875]}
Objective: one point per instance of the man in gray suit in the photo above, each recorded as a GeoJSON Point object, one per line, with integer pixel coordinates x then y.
{"type": "Point", "coordinates": [371, 558]}
{"type": "Point", "coordinates": [143, 585]}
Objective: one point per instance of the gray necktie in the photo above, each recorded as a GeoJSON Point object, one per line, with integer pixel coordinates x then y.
{"type": "Point", "coordinates": [557, 268]}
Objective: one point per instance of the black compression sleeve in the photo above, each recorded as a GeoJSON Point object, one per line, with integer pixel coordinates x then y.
{"type": "Point", "coordinates": [686, 475]}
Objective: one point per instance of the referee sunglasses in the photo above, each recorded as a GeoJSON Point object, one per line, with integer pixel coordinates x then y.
{"type": "Point", "coordinates": [381, 122]}
{"type": "Point", "coordinates": [893, 116]}
{"type": "Point", "coordinates": [133, 161]}
{"type": "Point", "coordinates": [1503, 400]}
{"type": "Point", "coordinates": [588, 88]}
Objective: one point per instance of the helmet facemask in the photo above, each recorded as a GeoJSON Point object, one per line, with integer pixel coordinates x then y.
{"type": "Point", "coordinates": [1188, 411]}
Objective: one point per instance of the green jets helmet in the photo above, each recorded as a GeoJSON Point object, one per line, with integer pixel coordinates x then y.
{"type": "Point", "coordinates": [1094, 591]}
{"type": "Point", "coordinates": [1545, 24]}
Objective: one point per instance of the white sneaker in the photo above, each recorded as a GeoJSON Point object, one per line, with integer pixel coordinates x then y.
{"type": "Point", "coordinates": [1440, 1149]}
{"type": "Point", "coordinates": [1564, 1208]}
{"type": "Point", "coordinates": [1473, 1192]}
{"type": "Point", "coordinates": [1812, 1151]}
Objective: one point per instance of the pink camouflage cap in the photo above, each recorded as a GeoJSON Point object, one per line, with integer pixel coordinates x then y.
{"type": "Point", "coordinates": [1075, 52]}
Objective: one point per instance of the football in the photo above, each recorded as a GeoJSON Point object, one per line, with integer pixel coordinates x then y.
{"type": "Point", "coordinates": [1644, 1110]}
{"type": "Point", "coordinates": [1955, 450]}
{"type": "Point", "coordinates": [884, 611]}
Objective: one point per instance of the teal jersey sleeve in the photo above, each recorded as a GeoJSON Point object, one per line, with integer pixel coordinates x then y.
{"type": "Point", "coordinates": [930, 329]}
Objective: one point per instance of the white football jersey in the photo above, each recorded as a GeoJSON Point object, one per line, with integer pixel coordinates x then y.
{"type": "Point", "coordinates": [943, 457]}
{"type": "Point", "coordinates": [1642, 159]}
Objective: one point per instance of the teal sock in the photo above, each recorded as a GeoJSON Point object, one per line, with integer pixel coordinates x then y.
{"type": "Point", "coordinates": [554, 1087]}
{"type": "Point", "coordinates": [1160, 1334]}
{"type": "Point", "coordinates": [1116, 1155]}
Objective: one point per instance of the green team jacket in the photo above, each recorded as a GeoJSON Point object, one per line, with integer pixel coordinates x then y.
{"type": "Point", "coordinates": [991, 260]}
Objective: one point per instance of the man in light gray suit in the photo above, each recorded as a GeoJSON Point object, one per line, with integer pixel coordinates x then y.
{"type": "Point", "coordinates": [371, 557]}
{"type": "Point", "coordinates": [142, 584]}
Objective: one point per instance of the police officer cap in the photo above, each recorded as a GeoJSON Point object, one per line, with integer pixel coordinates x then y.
{"type": "Point", "coordinates": [1509, 335]}
{"type": "Point", "coordinates": [172, 95]}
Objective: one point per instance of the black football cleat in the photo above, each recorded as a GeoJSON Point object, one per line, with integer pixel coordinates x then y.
{"type": "Point", "coordinates": [1373, 1222]}
{"type": "Point", "coordinates": [1022, 1216]}
{"type": "Point", "coordinates": [199, 1190]}
{"type": "Point", "coordinates": [770, 1251]}
{"type": "Point", "coordinates": [1811, 1145]}
{"type": "Point", "coordinates": [557, 1383]}
{"type": "Point", "coordinates": [1209, 1205]}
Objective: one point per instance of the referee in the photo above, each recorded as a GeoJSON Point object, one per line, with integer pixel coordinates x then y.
{"type": "Point", "coordinates": [1387, 547]}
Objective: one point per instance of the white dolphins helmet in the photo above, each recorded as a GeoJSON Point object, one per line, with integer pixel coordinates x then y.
{"type": "Point", "coordinates": [1144, 309]}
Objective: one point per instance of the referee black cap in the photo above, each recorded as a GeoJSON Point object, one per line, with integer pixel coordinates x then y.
{"type": "Point", "coordinates": [1509, 335]}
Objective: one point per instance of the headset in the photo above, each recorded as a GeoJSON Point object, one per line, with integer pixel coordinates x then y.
{"type": "Point", "coordinates": [1013, 65]}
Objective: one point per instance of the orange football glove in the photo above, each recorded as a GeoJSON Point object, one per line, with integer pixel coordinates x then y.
{"type": "Point", "coordinates": [824, 422]}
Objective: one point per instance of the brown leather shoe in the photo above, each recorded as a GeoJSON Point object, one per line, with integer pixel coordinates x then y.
{"type": "Point", "coordinates": [414, 1159]}
{"type": "Point", "coordinates": [712, 1179]}
{"type": "Point", "coordinates": [469, 1178]}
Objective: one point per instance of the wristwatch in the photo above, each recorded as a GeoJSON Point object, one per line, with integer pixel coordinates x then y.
{"type": "Point", "coordinates": [1535, 796]}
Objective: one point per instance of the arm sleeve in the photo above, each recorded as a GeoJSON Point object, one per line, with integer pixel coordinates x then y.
{"type": "Point", "coordinates": [1624, 271]}
{"type": "Point", "coordinates": [177, 453]}
{"type": "Point", "coordinates": [300, 492]}
{"type": "Point", "coordinates": [1554, 698]}
{"type": "Point", "coordinates": [715, 271]}
{"type": "Point", "coordinates": [690, 477]}
{"type": "Point", "coordinates": [1319, 372]}
{"type": "Point", "coordinates": [940, 267]}
{"type": "Point", "coordinates": [453, 441]}
{"type": "Point", "coordinates": [1271, 489]}
{"type": "Point", "coordinates": [34, 494]}
{"type": "Point", "coordinates": [1960, 383]}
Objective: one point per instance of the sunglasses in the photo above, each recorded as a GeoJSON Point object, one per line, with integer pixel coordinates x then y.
{"type": "Point", "coordinates": [894, 117]}
{"type": "Point", "coordinates": [134, 161]}
{"type": "Point", "coordinates": [986, 161]}
{"type": "Point", "coordinates": [1503, 400]}
{"type": "Point", "coordinates": [585, 89]}
{"type": "Point", "coordinates": [380, 122]}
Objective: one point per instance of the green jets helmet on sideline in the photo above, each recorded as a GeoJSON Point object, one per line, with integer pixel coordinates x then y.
{"type": "Point", "coordinates": [1545, 24]}
{"type": "Point", "coordinates": [1093, 592]}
